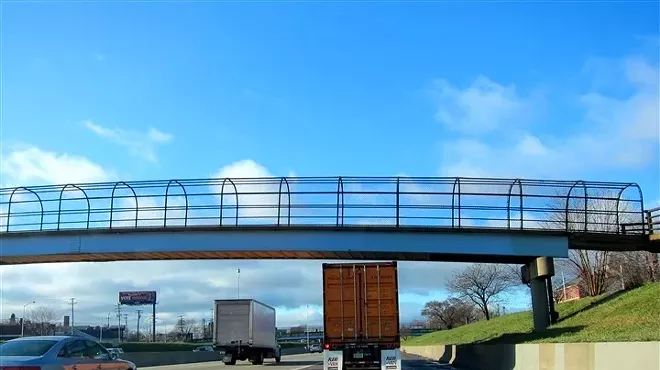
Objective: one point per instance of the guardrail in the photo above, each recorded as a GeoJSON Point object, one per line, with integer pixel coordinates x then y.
{"type": "Point", "coordinates": [513, 204]}
{"type": "Point", "coordinates": [650, 224]}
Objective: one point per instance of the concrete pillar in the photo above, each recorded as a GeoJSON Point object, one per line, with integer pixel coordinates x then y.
{"type": "Point", "coordinates": [540, 308]}
{"type": "Point", "coordinates": [537, 273]}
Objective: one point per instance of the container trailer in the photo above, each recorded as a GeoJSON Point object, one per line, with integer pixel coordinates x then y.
{"type": "Point", "coordinates": [361, 316]}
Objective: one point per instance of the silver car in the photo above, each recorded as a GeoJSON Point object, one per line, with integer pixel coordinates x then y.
{"type": "Point", "coordinates": [60, 353]}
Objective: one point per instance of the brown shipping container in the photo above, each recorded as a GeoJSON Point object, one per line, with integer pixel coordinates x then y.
{"type": "Point", "coordinates": [361, 304]}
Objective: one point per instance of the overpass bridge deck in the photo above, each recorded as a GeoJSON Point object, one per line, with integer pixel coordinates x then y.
{"type": "Point", "coordinates": [586, 215]}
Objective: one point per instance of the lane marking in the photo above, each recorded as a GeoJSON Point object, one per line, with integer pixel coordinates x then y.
{"type": "Point", "coordinates": [306, 366]}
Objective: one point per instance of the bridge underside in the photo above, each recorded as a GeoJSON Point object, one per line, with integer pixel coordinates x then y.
{"type": "Point", "coordinates": [349, 243]}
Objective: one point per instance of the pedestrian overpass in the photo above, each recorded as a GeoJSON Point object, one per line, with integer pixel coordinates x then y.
{"type": "Point", "coordinates": [364, 218]}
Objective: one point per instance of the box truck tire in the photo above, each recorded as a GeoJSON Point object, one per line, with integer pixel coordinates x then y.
{"type": "Point", "coordinates": [231, 361]}
{"type": "Point", "coordinates": [258, 359]}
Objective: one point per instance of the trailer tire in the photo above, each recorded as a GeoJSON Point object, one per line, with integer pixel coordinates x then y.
{"type": "Point", "coordinates": [258, 359]}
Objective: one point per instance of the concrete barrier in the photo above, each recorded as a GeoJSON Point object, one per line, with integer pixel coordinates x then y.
{"type": "Point", "coordinates": [185, 357]}
{"type": "Point", "coordinates": [545, 356]}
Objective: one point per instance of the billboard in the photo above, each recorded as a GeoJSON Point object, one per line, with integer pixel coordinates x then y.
{"type": "Point", "coordinates": [137, 298]}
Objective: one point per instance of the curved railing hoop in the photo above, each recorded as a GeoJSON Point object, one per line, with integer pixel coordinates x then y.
{"type": "Point", "coordinates": [457, 182]}
{"type": "Point", "coordinates": [641, 206]}
{"type": "Point", "coordinates": [340, 192]}
{"type": "Point", "coordinates": [508, 203]}
{"type": "Point", "coordinates": [222, 198]}
{"type": "Point", "coordinates": [59, 206]}
{"type": "Point", "coordinates": [279, 201]}
{"type": "Point", "coordinates": [112, 201]}
{"type": "Point", "coordinates": [41, 205]}
{"type": "Point", "coordinates": [185, 195]}
{"type": "Point", "coordinates": [586, 205]}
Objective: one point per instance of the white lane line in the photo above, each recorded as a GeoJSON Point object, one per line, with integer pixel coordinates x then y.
{"type": "Point", "coordinates": [306, 366]}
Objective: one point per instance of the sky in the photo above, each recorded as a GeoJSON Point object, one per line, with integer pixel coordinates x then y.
{"type": "Point", "coordinates": [109, 91]}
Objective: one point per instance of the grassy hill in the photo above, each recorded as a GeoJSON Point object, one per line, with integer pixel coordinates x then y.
{"type": "Point", "coordinates": [624, 316]}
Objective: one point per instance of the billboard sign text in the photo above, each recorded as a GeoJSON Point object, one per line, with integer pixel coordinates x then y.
{"type": "Point", "coordinates": [137, 298]}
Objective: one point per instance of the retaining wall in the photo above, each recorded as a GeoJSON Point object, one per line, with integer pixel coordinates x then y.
{"type": "Point", "coordinates": [546, 356]}
{"type": "Point", "coordinates": [183, 357]}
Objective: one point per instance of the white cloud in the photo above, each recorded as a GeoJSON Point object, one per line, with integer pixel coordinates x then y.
{"type": "Point", "coordinates": [29, 165]}
{"type": "Point", "coordinates": [257, 201]}
{"type": "Point", "coordinates": [615, 132]}
{"type": "Point", "coordinates": [482, 107]}
{"type": "Point", "coordinates": [139, 144]}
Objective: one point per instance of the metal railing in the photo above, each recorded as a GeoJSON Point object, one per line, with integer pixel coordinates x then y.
{"type": "Point", "coordinates": [650, 224]}
{"type": "Point", "coordinates": [520, 204]}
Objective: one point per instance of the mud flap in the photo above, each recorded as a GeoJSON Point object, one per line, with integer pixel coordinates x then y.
{"type": "Point", "coordinates": [390, 359]}
{"type": "Point", "coordinates": [333, 360]}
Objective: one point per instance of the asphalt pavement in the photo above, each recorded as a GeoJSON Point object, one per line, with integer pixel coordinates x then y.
{"type": "Point", "coordinates": [299, 362]}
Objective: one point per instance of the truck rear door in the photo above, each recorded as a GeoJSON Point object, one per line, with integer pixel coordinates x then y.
{"type": "Point", "coordinates": [361, 303]}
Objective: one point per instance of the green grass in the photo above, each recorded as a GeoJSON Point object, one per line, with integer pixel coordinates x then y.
{"type": "Point", "coordinates": [626, 316]}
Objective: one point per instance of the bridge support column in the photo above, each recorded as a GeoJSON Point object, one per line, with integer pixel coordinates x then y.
{"type": "Point", "coordinates": [538, 274]}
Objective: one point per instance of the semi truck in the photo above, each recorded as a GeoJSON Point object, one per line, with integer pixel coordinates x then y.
{"type": "Point", "coordinates": [361, 316]}
{"type": "Point", "coordinates": [244, 329]}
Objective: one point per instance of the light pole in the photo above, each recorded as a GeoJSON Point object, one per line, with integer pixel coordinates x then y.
{"type": "Point", "coordinates": [307, 325]}
{"type": "Point", "coordinates": [238, 284]}
{"type": "Point", "coordinates": [23, 318]}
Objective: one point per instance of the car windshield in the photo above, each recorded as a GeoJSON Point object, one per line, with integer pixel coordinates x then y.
{"type": "Point", "coordinates": [26, 347]}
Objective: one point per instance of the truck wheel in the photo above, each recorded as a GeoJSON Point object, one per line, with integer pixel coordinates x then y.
{"type": "Point", "coordinates": [232, 362]}
{"type": "Point", "coordinates": [258, 359]}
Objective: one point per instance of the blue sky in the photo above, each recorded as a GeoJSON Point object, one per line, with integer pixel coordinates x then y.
{"type": "Point", "coordinates": [119, 90]}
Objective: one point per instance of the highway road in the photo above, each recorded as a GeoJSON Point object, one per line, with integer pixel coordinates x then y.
{"type": "Point", "coordinates": [300, 362]}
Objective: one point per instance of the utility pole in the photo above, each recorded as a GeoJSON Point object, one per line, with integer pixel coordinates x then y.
{"type": "Point", "coordinates": [139, 313]}
{"type": "Point", "coordinates": [307, 324]}
{"type": "Point", "coordinates": [125, 322]}
{"type": "Point", "coordinates": [118, 321]}
{"type": "Point", "coordinates": [238, 284]}
{"type": "Point", "coordinates": [109, 313]}
{"type": "Point", "coordinates": [73, 303]}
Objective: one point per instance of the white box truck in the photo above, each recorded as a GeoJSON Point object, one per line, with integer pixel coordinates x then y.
{"type": "Point", "coordinates": [245, 330]}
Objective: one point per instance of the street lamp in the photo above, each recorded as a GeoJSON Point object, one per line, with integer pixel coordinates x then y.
{"type": "Point", "coordinates": [307, 324]}
{"type": "Point", "coordinates": [23, 318]}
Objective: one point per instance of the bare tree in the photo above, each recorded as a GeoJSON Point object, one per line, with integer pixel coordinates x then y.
{"type": "Point", "coordinates": [482, 284]}
{"type": "Point", "coordinates": [449, 314]}
{"type": "Point", "coordinates": [184, 328]}
{"type": "Point", "coordinates": [632, 269]}
{"type": "Point", "coordinates": [43, 317]}
{"type": "Point", "coordinates": [405, 331]}
{"type": "Point", "coordinates": [600, 212]}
